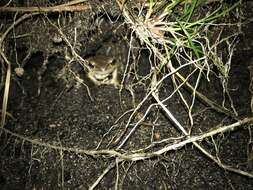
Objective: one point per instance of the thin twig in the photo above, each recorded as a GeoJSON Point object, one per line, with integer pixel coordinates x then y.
{"type": "Point", "coordinates": [137, 155]}
{"type": "Point", "coordinates": [75, 8]}
{"type": "Point", "coordinates": [6, 90]}
{"type": "Point", "coordinates": [111, 166]}
{"type": "Point", "coordinates": [205, 152]}
{"type": "Point", "coordinates": [71, 6]}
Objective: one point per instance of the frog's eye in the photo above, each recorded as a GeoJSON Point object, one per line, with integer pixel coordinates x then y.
{"type": "Point", "coordinates": [91, 65]}
{"type": "Point", "coordinates": [112, 61]}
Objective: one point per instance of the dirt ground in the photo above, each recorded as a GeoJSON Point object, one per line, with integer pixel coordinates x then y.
{"type": "Point", "coordinates": [55, 118]}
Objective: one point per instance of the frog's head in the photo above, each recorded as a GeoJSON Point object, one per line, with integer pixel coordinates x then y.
{"type": "Point", "coordinates": [102, 69]}
{"type": "Point", "coordinates": [101, 64]}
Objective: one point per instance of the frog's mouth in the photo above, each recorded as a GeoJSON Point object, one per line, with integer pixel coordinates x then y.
{"type": "Point", "coordinates": [103, 77]}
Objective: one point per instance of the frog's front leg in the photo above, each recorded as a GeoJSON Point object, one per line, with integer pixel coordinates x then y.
{"type": "Point", "coordinates": [92, 77]}
{"type": "Point", "coordinates": [114, 79]}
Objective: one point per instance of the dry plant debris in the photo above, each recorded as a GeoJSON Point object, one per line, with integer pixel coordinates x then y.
{"type": "Point", "coordinates": [186, 44]}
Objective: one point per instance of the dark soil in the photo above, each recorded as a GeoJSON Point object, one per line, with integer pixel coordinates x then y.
{"type": "Point", "coordinates": [64, 115]}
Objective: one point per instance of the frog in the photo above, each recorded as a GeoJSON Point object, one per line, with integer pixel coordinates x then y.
{"type": "Point", "coordinates": [103, 70]}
